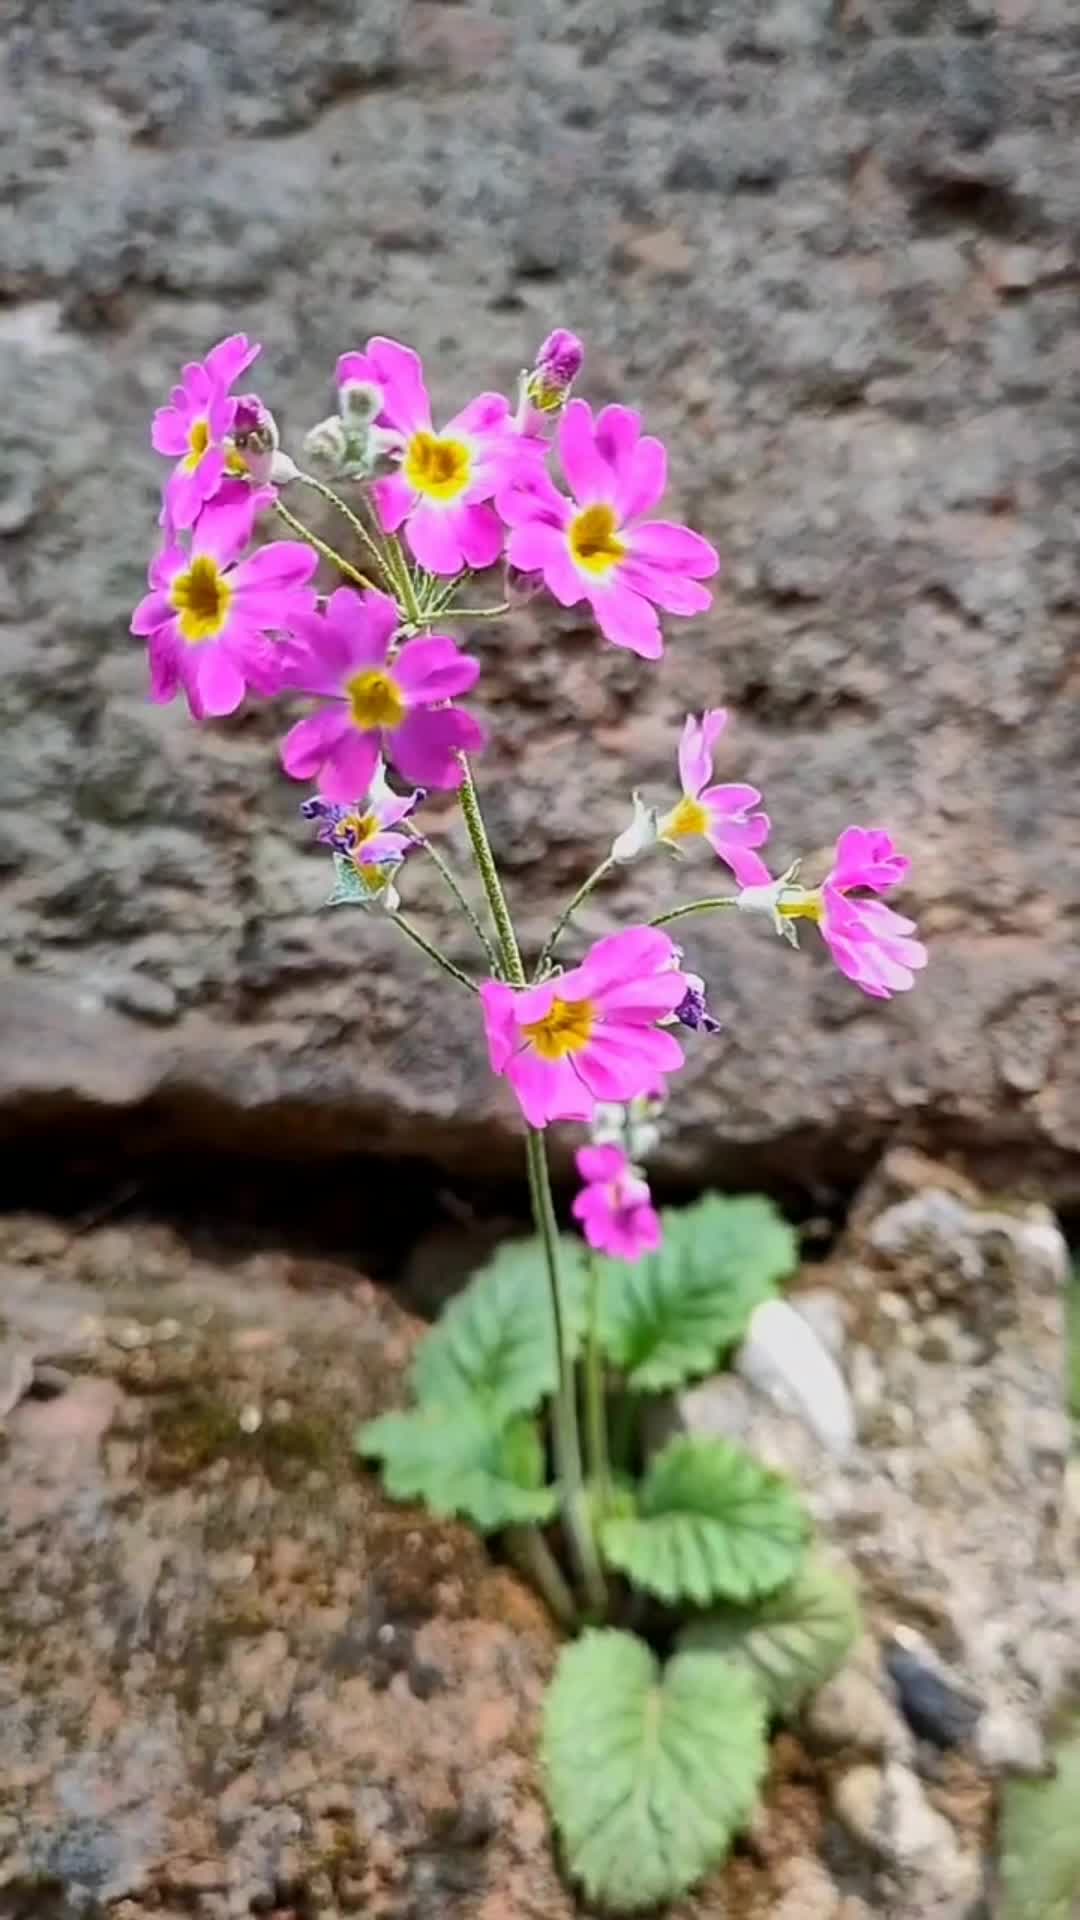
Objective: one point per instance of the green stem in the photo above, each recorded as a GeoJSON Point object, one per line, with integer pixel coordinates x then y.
{"type": "Point", "coordinates": [596, 1440]}
{"type": "Point", "coordinates": [569, 911]}
{"type": "Point", "coordinates": [433, 953]}
{"type": "Point", "coordinates": [450, 878]}
{"type": "Point", "coordinates": [513, 970]}
{"type": "Point", "coordinates": [565, 1429]}
{"type": "Point", "coordinates": [695, 906]}
{"type": "Point", "coordinates": [479, 613]}
{"type": "Point", "coordinates": [321, 546]}
{"type": "Point", "coordinates": [564, 1413]}
{"type": "Point", "coordinates": [334, 500]}
{"type": "Point", "coordinates": [529, 1552]}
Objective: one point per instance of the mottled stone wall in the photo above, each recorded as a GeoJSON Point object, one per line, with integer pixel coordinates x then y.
{"type": "Point", "coordinates": [832, 249]}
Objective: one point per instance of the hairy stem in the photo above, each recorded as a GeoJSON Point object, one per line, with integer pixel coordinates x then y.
{"type": "Point", "coordinates": [695, 906]}
{"type": "Point", "coordinates": [334, 500]}
{"type": "Point", "coordinates": [321, 546]}
{"type": "Point", "coordinates": [489, 875]}
{"type": "Point", "coordinates": [568, 912]}
{"type": "Point", "coordinates": [449, 876]}
{"type": "Point", "coordinates": [433, 953]}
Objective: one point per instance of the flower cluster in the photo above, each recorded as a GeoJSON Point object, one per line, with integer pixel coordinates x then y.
{"type": "Point", "coordinates": [562, 499]}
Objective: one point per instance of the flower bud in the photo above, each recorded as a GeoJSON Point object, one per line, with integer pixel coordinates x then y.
{"type": "Point", "coordinates": [326, 446]}
{"type": "Point", "coordinates": [638, 837]}
{"type": "Point", "coordinates": [253, 441]}
{"type": "Point", "coordinates": [557, 365]}
{"type": "Point", "coordinates": [360, 402]}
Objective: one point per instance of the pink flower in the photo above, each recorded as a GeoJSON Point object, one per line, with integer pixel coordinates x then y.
{"type": "Point", "coordinates": [440, 490]}
{"type": "Point", "coordinates": [208, 615]}
{"type": "Point", "coordinates": [870, 943]}
{"type": "Point", "coordinates": [194, 427]}
{"type": "Point", "coordinates": [591, 1034]}
{"type": "Point", "coordinates": [720, 814]}
{"type": "Point", "coordinates": [614, 1206]}
{"type": "Point", "coordinates": [600, 546]}
{"type": "Point", "coordinates": [374, 703]}
{"type": "Point", "coordinates": [362, 830]}
{"type": "Point", "coordinates": [546, 390]}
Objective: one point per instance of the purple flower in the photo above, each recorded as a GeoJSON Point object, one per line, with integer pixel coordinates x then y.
{"type": "Point", "coordinates": [361, 830]}
{"type": "Point", "coordinates": [614, 1206]}
{"type": "Point", "coordinates": [870, 943]}
{"type": "Point", "coordinates": [601, 546]}
{"type": "Point", "coordinates": [374, 703]}
{"type": "Point", "coordinates": [193, 429]}
{"type": "Point", "coordinates": [693, 1011]}
{"type": "Point", "coordinates": [546, 390]}
{"type": "Point", "coordinates": [208, 614]}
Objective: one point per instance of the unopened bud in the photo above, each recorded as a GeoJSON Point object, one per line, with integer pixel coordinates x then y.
{"type": "Point", "coordinates": [557, 366]}
{"type": "Point", "coordinates": [638, 837]}
{"type": "Point", "coordinates": [253, 441]}
{"type": "Point", "coordinates": [360, 402]}
{"type": "Point", "coordinates": [326, 446]}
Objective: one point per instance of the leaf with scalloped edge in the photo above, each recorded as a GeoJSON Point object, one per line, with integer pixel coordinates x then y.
{"type": "Point", "coordinates": [462, 1460]}
{"type": "Point", "coordinates": [494, 1345]}
{"type": "Point", "coordinates": [650, 1771]}
{"type": "Point", "coordinates": [711, 1524]}
{"type": "Point", "coordinates": [671, 1315]}
{"type": "Point", "coordinates": [791, 1641]}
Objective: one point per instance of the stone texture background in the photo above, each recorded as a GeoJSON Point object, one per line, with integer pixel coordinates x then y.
{"type": "Point", "coordinates": [832, 247]}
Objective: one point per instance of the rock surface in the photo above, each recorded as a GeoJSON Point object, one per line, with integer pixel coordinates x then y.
{"type": "Point", "coordinates": [833, 250]}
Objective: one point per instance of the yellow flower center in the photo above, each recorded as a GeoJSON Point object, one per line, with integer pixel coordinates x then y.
{"type": "Point", "coordinates": [685, 820]}
{"type": "Point", "coordinates": [801, 906]}
{"type": "Point", "coordinates": [234, 460]}
{"type": "Point", "coordinates": [201, 597]}
{"type": "Point", "coordinates": [440, 469]}
{"type": "Point", "coordinates": [375, 699]}
{"type": "Point", "coordinates": [362, 826]}
{"type": "Point", "coordinates": [592, 540]}
{"type": "Point", "coordinates": [565, 1028]}
{"type": "Point", "coordinates": [198, 443]}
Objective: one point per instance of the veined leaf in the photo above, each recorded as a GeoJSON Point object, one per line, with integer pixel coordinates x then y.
{"type": "Point", "coordinates": [650, 1773]}
{"type": "Point", "coordinates": [669, 1316]}
{"type": "Point", "coordinates": [494, 1345]}
{"type": "Point", "coordinates": [462, 1460]}
{"type": "Point", "coordinates": [711, 1524]}
{"type": "Point", "coordinates": [792, 1641]}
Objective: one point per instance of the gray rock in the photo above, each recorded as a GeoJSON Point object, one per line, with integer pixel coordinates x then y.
{"type": "Point", "coordinates": [783, 1358]}
{"type": "Point", "coordinates": [887, 1811]}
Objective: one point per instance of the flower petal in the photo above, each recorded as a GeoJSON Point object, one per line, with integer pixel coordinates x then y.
{"type": "Point", "coordinates": [548, 1089]}
{"type": "Point", "coordinates": [350, 765]}
{"type": "Point", "coordinates": [400, 373]}
{"type": "Point", "coordinates": [308, 745]}
{"type": "Point", "coordinates": [587, 472]}
{"type": "Point", "coordinates": [169, 432]}
{"type": "Point", "coordinates": [696, 745]}
{"type": "Point", "coordinates": [230, 358]}
{"type": "Point", "coordinates": [275, 568]}
{"type": "Point", "coordinates": [480, 535]}
{"type": "Point", "coordinates": [500, 1024]}
{"type": "Point", "coordinates": [424, 748]}
{"type": "Point", "coordinates": [674, 548]}
{"type": "Point", "coordinates": [216, 680]}
{"type": "Point", "coordinates": [488, 414]}
{"type": "Point", "coordinates": [600, 1163]}
{"type": "Point", "coordinates": [626, 619]}
{"type": "Point", "coordinates": [434, 669]}
{"type": "Point", "coordinates": [432, 534]}
{"type": "Point", "coordinates": [394, 499]}
{"type": "Point", "coordinates": [154, 610]}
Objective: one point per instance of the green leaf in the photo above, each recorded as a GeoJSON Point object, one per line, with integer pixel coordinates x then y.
{"type": "Point", "coordinates": [711, 1524]}
{"type": "Point", "coordinates": [669, 1316]}
{"type": "Point", "coordinates": [1040, 1840]}
{"type": "Point", "coordinates": [494, 1345]}
{"type": "Point", "coordinates": [649, 1773]}
{"type": "Point", "coordinates": [792, 1641]}
{"type": "Point", "coordinates": [462, 1460]}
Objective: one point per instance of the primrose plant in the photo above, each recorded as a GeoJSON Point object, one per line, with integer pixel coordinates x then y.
{"type": "Point", "coordinates": [651, 1765]}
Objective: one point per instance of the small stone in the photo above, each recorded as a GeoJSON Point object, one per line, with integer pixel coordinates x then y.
{"type": "Point", "coordinates": [854, 1710]}
{"type": "Point", "coordinates": [131, 1336]}
{"type": "Point", "coordinates": [807, 1891]}
{"type": "Point", "coordinates": [1008, 1741]}
{"type": "Point", "coordinates": [249, 1419]}
{"type": "Point", "coordinates": [824, 1311]}
{"type": "Point", "coordinates": [934, 1709]}
{"type": "Point", "coordinates": [784, 1358]}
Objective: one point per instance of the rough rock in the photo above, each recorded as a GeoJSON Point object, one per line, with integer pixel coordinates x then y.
{"type": "Point", "coordinates": [832, 250]}
{"type": "Point", "coordinates": [952, 1503]}
{"type": "Point", "coordinates": [233, 1677]}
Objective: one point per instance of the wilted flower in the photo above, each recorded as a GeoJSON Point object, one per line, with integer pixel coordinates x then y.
{"type": "Point", "coordinates": [375, 704]}
{"type": "Point", "coordinates": [362, 831]}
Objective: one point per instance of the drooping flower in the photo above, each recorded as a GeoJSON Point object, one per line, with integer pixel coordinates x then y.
{"type": "Point", "coordinates": [375, 703]}
{"type": "Point", "coordinates": [601, 546]}
{"type": "Point", "coordinates": [441, 490]}
{"type": "Point", "coordinates": [209, 612]}
{"type": "Point", "coordinates": [693, 1010]}
{"type": "Point", "coordinates": [545, 391]}
{"type": "Point", "coordinates": [362, 831]}
{"type": "Point", "coordinates": [193, 429]}
{"type": "Point", "coordinates": [614, 1206]}
{"type": "Point", "coordinates": [723, 815]}
{"type": "Point", "coordinates": [591, 1034]}
{"type": "Point", "coordinates": [870, 943]}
